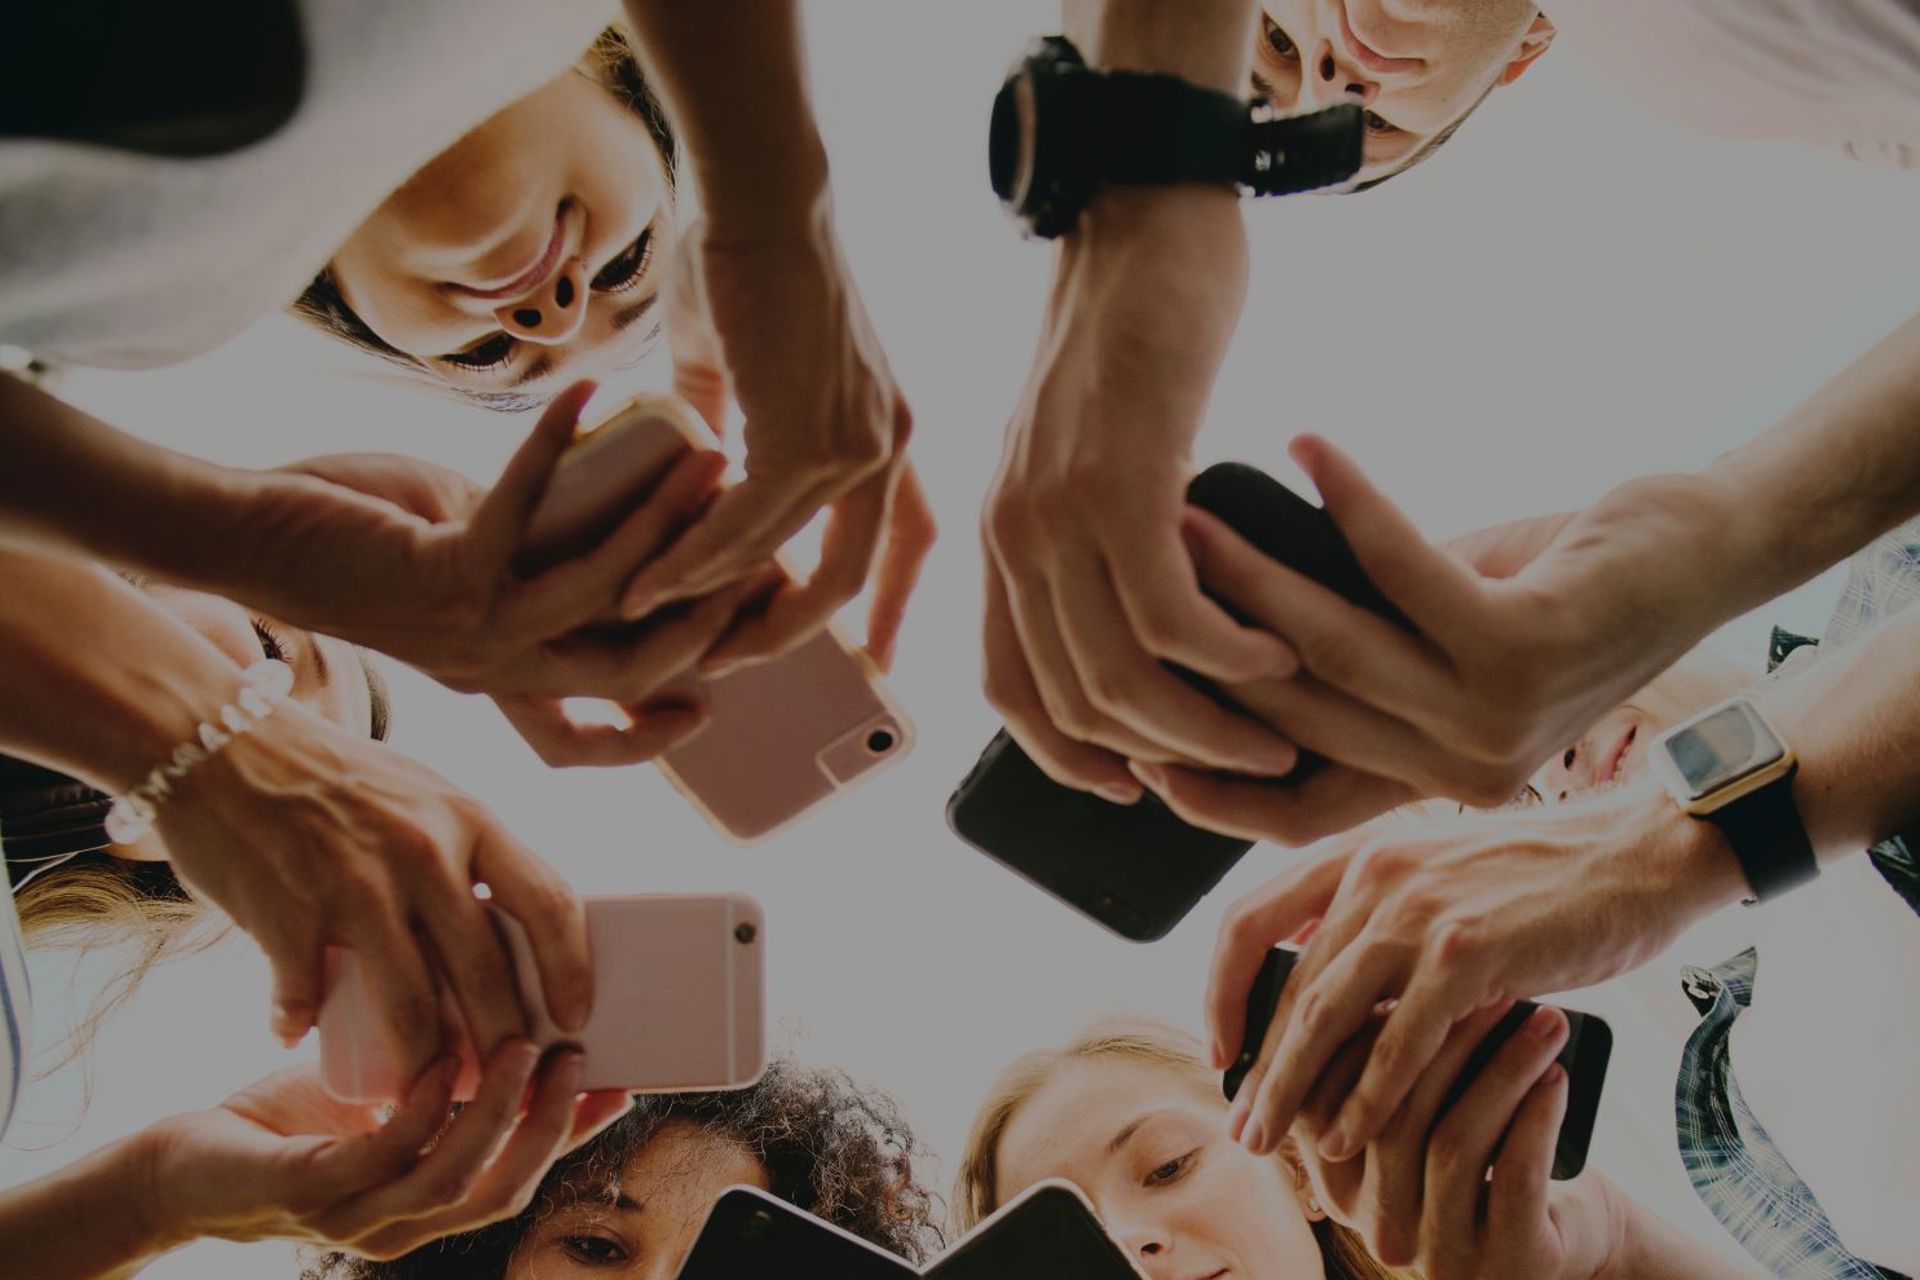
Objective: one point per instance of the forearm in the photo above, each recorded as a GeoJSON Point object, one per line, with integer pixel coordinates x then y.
{"type": "Point", "coordinates": [88, 1221]}
{"type": "Point", "coordinates": [1206, 42]}
{"type": "Point", "coordinates": [99, 681]}
{"type": "Point", "coordinates": [735, 86]}
{"type": "Point", "coordinates": [1853, 719]}
{"type": "Point", "coordinates": [1837, 471]}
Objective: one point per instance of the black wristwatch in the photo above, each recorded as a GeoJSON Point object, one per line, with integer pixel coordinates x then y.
{"type": "Point", "coordinates": [1062, 131]}
{"type": "Point", "coordinates": [1730, 767]}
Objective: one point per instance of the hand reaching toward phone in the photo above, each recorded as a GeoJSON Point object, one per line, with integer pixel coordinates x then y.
{"type": "Point", "coordinates": [775, 319]}
{"type": "Point", "coordinates": [1089, 586]}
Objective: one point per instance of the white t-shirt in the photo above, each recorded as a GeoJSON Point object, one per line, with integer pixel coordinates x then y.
{"type": "Point", "coordinates": [109, 257]}
{"type": "Point", "coordinates": [1832, 73]}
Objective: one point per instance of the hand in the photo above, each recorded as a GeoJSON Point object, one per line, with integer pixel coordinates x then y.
{"type": "Point", "coordinates": [1446, 917]}
{"type": "Point", "coordinates": [440, 593]}
{"type": "Point", "coordinates": [435, 493]}
{"type": "Point", "coordinates": [1505, 670]}
{"type": "Point", "coordinates": [1089, 586]}
{"type": "Point", "coordinates": [284, 1159]}
{"type": "Point", "coordinates": [1419, 1195]}
{"type": "Point", "coordinates": [310, 837]}
{"type": "Point", "coordinates": [775, 319]}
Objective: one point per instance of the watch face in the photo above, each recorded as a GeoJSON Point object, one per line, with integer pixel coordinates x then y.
{"type": "Point", "coordinates": [1010, 142]}
{"type": "Point", "coordinates": [1722, 747]}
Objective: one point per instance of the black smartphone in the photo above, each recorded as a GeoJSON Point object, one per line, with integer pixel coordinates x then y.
{"type": "Point", "coordinates": [1046, 1233]}
{"type": "Point", "coordinates": [750, 1235]}
{"type": "Point", "coordinates": [1584, 1058]}
{"type": "Point", "coordinates": [1139, 869]}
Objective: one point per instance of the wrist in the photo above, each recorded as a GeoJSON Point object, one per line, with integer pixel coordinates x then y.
{"type": "Point", "coordinates": [782, 193]}
{"type": "Point", "coordinates": [1204, 42]}
{"type": "Point", "coordinates": [1683, 864]}
{"type": "Point", "coordinates": [139, 1180]}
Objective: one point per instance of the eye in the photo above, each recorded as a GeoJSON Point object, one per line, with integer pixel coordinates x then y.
{"type": "Point", "coordinates": [595, 1251]}
{"type": "Point", "coordinates": [489, 354]}
{"type": "Point", "coordinates": [1376, 123]}
{"type": "Point", "coordinates": [1277, 40]}
{"type": "Point", "coordinates": [1171, 1170]}
{"type": "Point", "coordinates": [628, 267]}
{"type": "Point", "coordinates": [272, 643]}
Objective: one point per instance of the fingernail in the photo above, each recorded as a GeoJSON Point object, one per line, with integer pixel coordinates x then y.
{"type": "Point", "coordinates": [567, 1072]}
{"type": "Point", "coordinates": [1284, 663]}
{"type": "Point", "coordinates": [1337, 1145]}
{"type": "Point", "coordinates": [1151, 774]}
{"type": "Point", "coordinates": [1114, 793]}
{"type": "Point", "coordinates": [1238, 1113]}
{"type": "Point", "coordinates": [1553, 1075]}
{"type": "Point", "coordinates": [1541, 1023]}
{"type": "Point", "coordinates": [1278, 760]}
{"type": "Point", "coordinates": [1254, 1139]}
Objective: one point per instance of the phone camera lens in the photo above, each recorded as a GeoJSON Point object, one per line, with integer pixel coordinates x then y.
{"type": "Point", "coordinates": [880, 741]}
{"type": "Point", "coordinates": [758, 1224]}
{"type": "Point", "coordinates": [744, 933]}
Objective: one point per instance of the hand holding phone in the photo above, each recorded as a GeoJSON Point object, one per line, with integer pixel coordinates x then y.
{"type": "Point", "coordinates": [678, 1002]}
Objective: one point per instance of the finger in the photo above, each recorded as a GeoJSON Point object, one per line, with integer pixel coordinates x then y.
{"type": "Point", "coordinates": [1517, 1200]}
{"type": "Point", "coordinates": [512, 1177]}
{"type": "Point", "coordinates": [359, 1164]}
{"type": "Point", "coordinates": [1434, 1000]}
{"type": "Point", "coordinates": [1325, 803]}
{"type": "Point", "coordinates": [1343, 1187]}
{"type": "Point", "coordinates": [445, 1175]}
{"type": "Point", "coordinates": [1252, 926]}
{"type": "Point", "coordinates": [1346, 645]}
{"type": "Point", "coordinates": [475, 964]}
{"type": "Point", "coordinates": [594, 1112]}
{"type": "Point", "coordinates": [299, 976]}
{"type": "Point", "coordinates": [1463, 1142]}
{"type": "Point", "coordinates": [1431, 587]}
{"type": "Point", "coordinates": [1330, 1006]}
{"type": "Point", "coordinates": [552, 915]}
{"type": "Point", "coordinates": [1011, 691]}
{"type": "Point", "coordinates": [675, 643]}
{"type": "Point", "coordinates": [499, 522]}
{"type": "Point", "coordinates": [588, 586]}
{"type": "Point", "coordinates": [911, 532]}
{"type": "Point", "coordinates": [1319, 718]}
{"type": "Point", "coordinates": [848, 548]}
{"type": "Point", "coordinates": [564, 743]}
{"type": "Point", "coordinates": [400, 982]}
{"type": "Point", "coordinates": [1127, 684]}
{"type": "Point", "coordinates": [747, 525]}
{"type": "Point", "coordinates": [1154, 578]}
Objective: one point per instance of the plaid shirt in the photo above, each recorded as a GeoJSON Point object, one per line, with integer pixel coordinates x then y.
{"type": "Point", "coordinates": [1734, 1165]}
{"type": "Point", "coordinates": [16, 1009]}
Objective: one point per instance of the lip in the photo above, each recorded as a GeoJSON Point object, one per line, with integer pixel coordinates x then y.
{"type": "Point", "coordinates": [525, 280]}
{"type": "Point", "coordinates": [1365, 54]}
{"type": "Point", "coordinates": [1611, 769]}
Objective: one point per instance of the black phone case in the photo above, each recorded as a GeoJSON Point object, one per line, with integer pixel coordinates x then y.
{"type": "Point", "coordinates": [1584, 1057]}
{"type": "Point", "coordinates": [1139, 869]}
{"type": "Point", "coordinates": [1050, 1236]}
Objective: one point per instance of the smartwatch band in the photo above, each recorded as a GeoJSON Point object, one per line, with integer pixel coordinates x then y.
{"type": "Point", "coordinates": [1769, 839]}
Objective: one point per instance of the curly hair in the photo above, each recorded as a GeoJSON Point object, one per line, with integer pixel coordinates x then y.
{"type": "Point", "coordinates": [840, 1151]}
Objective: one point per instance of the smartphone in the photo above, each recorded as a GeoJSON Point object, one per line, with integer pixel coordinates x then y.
{"type": "Point", "coordinates": [751, 1235]}
{"type": "Point", "coordinates": [783, 736]}
{"type": "Point", "coordinates": [1584, 1058]}
{"type": "Point", "coordinates": [1046, 1232]}
{"type": "Point", "coordinates": [1139, 869]}
{"type": "Point", "coordinates": [679, 1002]}
{"type": "Point", "coordinates": [610, 469]}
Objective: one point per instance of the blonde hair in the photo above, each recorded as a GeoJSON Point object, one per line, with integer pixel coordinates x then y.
{"type": "Point", "coordinates": [1130, 1038]}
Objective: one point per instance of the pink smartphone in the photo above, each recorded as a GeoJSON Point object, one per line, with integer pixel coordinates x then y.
{"type": "Point", "coordinates": [782, 736]}
{"type": "Point", "coordinates": [679, 1004]}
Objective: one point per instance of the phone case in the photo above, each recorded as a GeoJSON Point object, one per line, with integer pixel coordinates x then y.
{"type": "Point", "coordinates": [1139, 869]}
{"type": "Point", "coordinates": [679, 1002]}
{"type": "Point", "coordinates": [609, 470]}
{"type": "Point", "coordinates": [1048, 1232]}
{"type": "Point", "coordinates": [1584, 1057]}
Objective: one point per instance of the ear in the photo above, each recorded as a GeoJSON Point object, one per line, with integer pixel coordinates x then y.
{"type": "Point", "coordinates": [1310, 1206]}
{"type": "Point", "coordinates": [1539, 36]}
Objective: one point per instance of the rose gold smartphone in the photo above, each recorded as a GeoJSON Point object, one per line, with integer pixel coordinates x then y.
{"type": "Point", "coordinates": [782, 736]}
{"type": "Point", "coordinates": [678, 1004]}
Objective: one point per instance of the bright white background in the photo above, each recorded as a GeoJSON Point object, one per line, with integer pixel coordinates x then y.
{"type": "Point", "coordinates": [1571, 294]}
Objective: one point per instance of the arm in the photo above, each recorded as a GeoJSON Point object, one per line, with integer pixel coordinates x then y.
{"type": "Point", "coordinates": [763, 304]}
{"type": "Point", "coordinates": [106, 1192]}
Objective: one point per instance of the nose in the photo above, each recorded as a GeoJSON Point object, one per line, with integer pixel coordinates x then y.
{"type": "Point", "coordinates": [552, 312]}
{"type": "Point", "coordinates": [1332, 78]}
{"type": "Point", "coordinates": [1149, 1244]}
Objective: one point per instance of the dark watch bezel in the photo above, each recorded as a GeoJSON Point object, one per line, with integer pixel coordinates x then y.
{"type": "Point", "coordinates": [1033, 173]}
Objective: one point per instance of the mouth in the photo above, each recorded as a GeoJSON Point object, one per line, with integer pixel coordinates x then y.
{"type": "Point", "coordinates": [1610, 769]}
{"type": "Point", "coordinates": [536, 272]}
{"type": "Point", "coordinates": [1365, 53]}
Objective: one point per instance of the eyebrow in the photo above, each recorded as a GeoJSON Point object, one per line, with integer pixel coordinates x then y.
{"type": "Point", "coordinates": [1120, 1138]}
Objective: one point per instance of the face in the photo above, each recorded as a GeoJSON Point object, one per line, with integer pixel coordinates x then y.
{"type": "Point", "coordinates": [644, 1228]}
{"type": "Point", "coordinates": [1614, 751]}
{"type": "Point", "coordinates": [1416, 65]}
{"type": "Point", "coordinates": [527, 254]}
{"type": "Point", "coordinates": [1149, 1147]}
{"type": "Point", "coordinates": [329, 676]}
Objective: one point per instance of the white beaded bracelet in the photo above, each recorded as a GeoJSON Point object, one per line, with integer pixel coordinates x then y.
{"type": "Point", "coordinates": [264, 686]}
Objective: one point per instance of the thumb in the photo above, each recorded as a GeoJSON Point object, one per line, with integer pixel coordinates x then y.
{"type": "Point", "coordinates": [298, 962]}
{"type": "Point", "coordinates": [499, 522]}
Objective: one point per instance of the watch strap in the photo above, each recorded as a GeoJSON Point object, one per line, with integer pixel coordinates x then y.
{"type": "Point", "coordinates": [1769, 839]}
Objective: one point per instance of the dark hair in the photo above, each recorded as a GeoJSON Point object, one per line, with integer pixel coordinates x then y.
{"type": "Point", "coordinates": [611, 63]}
{"type": "Point", "coordinates": [836, 1150]}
